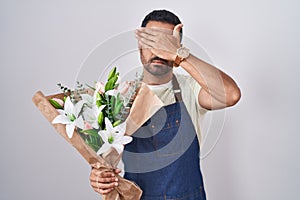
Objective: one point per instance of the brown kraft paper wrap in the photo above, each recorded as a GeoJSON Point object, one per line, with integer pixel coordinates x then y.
{"type": "Point", "coordinates": [144, 106]}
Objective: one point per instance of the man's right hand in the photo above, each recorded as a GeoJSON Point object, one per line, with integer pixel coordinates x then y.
{"type": "Point", "coordinates": [104, 182]}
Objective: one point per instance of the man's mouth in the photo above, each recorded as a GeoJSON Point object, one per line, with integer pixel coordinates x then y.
{"type": "Point", "coordinates": [159, 61]}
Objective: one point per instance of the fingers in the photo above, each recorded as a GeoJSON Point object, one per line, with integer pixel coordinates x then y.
{"type": "Point", "coordinates": [104, 176]}
{"type": "Point", "coordinates": [104, 192]}
{"type": "Point", "coordinates": [148, 31]}
{"type": "Point", "coordinates": [145, 40]}
{"type": "Point", "coordinates": [162, 42]}
{"type": "Point", "coordinates": [101, 179]}
{"type": "Point", "coordinates": [103, 186]}
{"type": "Point", "coordinates": [97, 172]}
{"type": "Point", "coordinates": [145, 34]}
{"type": "Point", "coordinates": [106, 173]}
{"type": "Point", "coordinates": [117, 171]}
{"type": "Point", "coordinates": [144, 45]}
{"type": "Point", "coordinates": [156, 37]}
{"type": "Point", "coordinates": [104, 182]}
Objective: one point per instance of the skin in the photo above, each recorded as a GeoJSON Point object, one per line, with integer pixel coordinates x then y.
{"type": "Point", "coordinates": [158, 43]}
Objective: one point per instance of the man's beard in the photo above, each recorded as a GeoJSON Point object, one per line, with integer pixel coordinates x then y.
{"type": "Point", "coordinates": [158, 66]}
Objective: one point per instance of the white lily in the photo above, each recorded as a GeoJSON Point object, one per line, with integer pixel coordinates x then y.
{"type": "Point", "coordinates": [112, 92]}
{"type": "Point", "coordinates": [89, 100]}
{"type": "Point", "coordinates": [113, 137]}
{"type": "Point", "coordinates": [69, 117]}
{"type": "Point", "coordinates": [91, 115]}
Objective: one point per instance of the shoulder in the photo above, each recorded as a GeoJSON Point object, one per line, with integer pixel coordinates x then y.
{"type": "Point", "coordinates": [190, 90]}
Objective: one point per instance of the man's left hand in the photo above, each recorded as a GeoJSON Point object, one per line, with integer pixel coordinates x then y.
{"type": "Point", "coordinates": [162, 42]}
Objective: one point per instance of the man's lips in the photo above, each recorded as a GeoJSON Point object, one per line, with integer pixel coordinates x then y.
{"type": "Point", "coordinates": [159, 61]}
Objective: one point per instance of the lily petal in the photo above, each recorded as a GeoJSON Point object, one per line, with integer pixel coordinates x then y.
{"type": "Point", "coordinates": [103, 135]}
{"type": "Point", "coordinates": [121, 128]}
{"type": "Point", "coordinates": [119, 147]}
{"type": "Point", "coordinates": [101, 108]}
{"type": "Point", "coordinates": [61, 119]}
{"type": "Point", "coordinates": [88, 114]}
{"type": "Point", "coordinates": [68, 106]}
{"type": "Point", "coordinates": [77, 108]}
{"type": "Point", "coordinates": [95, 124]}
{"type": "Point", "coordinates": [70, 130]}
{"type": "Point", "coordinates": [108, 125]}
{"type": "Point", "coordinates": [105, 147]}
{"type": "Point", "coordinates": [91, 116]}
{"type": "Point", "coordinates": [112, 92]}
{"type": "Point", "coordinates": [62, 112]}
{"type": "Point", "coordinates": [126, 139]}
{"type": "Point", "coordinates": [79, 122]}
{"type": "Point", "coordinates": [88, 99]}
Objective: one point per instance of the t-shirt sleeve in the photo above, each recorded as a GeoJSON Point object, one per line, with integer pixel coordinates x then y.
{"type": "Point", "coordinates": [196, 87]}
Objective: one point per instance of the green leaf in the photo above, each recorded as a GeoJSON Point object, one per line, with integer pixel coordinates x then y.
{"type": "Point", "coordinates": [108, 85]}
{"type": "Point", "coordinates": [100, 119]}
{"type": "Point", "coordinates": [55, 104]}
{"type": "Point", "coordinates": [117, 108]}
{"type": "Point", "coordinates": [92, 132]}
{"type": "Point", "coordinates": [111, 83]}
{"type": "Point", "coordinates": [91, 138]}
{"type": "Point", "coordinates": [112, 102]}
{"type": "Point", "coordinates": [98, 99]}
{"type": "Point", "coordinates": [116, 79]}
{"type": "Point", "coordinates": [116, 123]}
{"type": "Point", "coordinates": [94, 146]}
{"type": "Point", "coordinates": [112, 73]}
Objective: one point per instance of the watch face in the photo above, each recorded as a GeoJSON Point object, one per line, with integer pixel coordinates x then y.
{"type": "Point", "coordinates": [183, 52]}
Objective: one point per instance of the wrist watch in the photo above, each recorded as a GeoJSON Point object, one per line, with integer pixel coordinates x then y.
{"type": "Point", "coordinates": [182, 53]}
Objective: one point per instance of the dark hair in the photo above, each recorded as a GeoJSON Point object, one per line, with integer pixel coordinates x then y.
{"type": "Point", "coordinates": [162, 16]}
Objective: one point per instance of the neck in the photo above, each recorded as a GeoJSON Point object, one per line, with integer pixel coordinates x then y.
{"type": "Point", "coordinates": [157, 80]}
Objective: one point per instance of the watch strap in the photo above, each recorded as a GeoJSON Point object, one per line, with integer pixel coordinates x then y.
{"type": "Point", "coordinates": [177, 61]}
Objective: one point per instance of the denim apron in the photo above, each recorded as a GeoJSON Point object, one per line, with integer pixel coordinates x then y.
{"type": "Point", "coordinates": [163, 158]}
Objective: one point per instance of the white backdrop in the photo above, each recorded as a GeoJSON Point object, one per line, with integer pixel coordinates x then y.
{"type": "Point", "coordinates": [256, 42]}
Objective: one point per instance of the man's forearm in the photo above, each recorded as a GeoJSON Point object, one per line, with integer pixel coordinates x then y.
{"type": "Point", "coordinates": [221, 87]}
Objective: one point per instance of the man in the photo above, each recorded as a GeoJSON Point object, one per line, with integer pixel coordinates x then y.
{"type": "Point", "coordinates": [173, 173]}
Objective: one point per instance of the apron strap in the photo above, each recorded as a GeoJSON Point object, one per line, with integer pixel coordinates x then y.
{"type": "Point", "coordinates": [176, 89]}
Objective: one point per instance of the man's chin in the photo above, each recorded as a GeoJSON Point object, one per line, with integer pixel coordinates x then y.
{"type": "Point", "coordinates": [159, 65]}
{"type": "Point", "coordinates": [158, 69]}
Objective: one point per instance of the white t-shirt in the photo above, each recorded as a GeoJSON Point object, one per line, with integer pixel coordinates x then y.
{"type": "Point", "coordinates": [189, 91]}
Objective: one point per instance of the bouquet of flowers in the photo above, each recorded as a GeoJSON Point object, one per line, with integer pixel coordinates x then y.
{"type": "Point", "coordinates": [98, 121]}
{"type": "Point", "coordinates": [98, 113]}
